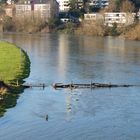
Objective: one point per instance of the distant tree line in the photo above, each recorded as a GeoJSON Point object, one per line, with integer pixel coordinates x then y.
{"type": "Point", "coordinates": [114, 6]}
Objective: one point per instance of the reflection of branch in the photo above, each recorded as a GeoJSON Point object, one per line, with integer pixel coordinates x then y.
{"type": "Point", "coordinates": [91, 85]}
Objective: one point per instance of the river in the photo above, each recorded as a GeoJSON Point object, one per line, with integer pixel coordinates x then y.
{"type": "Point", "coordinates": [79, 114]}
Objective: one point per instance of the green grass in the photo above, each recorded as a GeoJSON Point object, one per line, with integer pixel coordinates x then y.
{"type": "Point", "coordinates": [14, 63]}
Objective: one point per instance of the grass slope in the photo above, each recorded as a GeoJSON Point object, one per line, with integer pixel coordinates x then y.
{"type": "Point", "coordinates": [14, 63]}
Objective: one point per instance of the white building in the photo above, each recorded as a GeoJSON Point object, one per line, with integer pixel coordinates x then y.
{"type": "Point", "coordinates": [121, 19]}
{"type": "Point", "coordinates": [138, 14]}
{"type": "Point", "coordinates": [99, 3]}
{"type": "Point", "coordinates": [64, 5]}
{"type": "Point", "coordinates": [111, 18]}
{"type": "Point", "coordinates": [93, 17]}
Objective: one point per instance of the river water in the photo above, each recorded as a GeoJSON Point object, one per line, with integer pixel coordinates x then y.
{"type": "Point", "coordinates": [79, 114]}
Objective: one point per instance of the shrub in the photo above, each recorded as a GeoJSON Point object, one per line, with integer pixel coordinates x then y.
{"type": "Point", "coordinates": [133, 32]}
{"type": "Point", "coordinates": [29, 24]}
{"type": "Point", "coordinates": [8, 24]}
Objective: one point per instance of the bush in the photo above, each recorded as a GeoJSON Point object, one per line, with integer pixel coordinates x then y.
{"type": "Point", "coordinates": [90, 28]}
{"type": "Point", "coordinates": [54, 22]}
{"type": "Point", "coordinates": [133, 32]}
{"type": "Point", "coordinates": [29, 24]}
{"type": "Point", "coordinates": [8, 24]}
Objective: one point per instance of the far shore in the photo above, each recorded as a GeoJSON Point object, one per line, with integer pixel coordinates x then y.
{"type": "Point", "coordinates": [122, 36]}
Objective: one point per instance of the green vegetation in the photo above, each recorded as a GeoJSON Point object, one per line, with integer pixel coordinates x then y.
{"type": "Point", "coordinates": [8, 101]}
{"type": "Point", "coordinates": [68, 28]}
{"type": "Point", "coordinates": [14, 64]}
{"type": "Point", "coordinates": [112, 31]}
{"type": "Point", "coordinates": [9, 98]}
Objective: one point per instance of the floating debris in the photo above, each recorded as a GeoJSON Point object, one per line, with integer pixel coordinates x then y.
{"type": "Point", "coordinates": [91, 85]}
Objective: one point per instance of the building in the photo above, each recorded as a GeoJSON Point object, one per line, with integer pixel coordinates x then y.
{"type": "Point", "coordinates": [93, 17]}
{"type": "Point", "coordinates": [111, 18]}
{"type": "Point", "coordinates": [99, 3]}
{"type": "Point", "coordinates": [80, 4]}
{"type": "Point", "coordinates": [38, 8]}
{"type": "Point", "coordinates": [64, 5]}
{"type": "Point", "coordinates": [138, 14]}
{"type": "Point", "coordinates": [119, 18]}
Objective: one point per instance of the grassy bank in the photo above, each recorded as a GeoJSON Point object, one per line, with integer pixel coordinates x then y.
{"type": "Point", "coordinates": [14, 64]}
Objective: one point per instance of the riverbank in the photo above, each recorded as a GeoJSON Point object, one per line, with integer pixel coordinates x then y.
{"type": "Point", "coordinates": [98, 29]}
{"type": "Point", "coordinates": [88, 28]}
{"type": "Point", "coordinates": [14, 64]}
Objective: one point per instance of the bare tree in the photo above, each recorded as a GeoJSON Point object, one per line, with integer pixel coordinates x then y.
{"type": "Point", "coordinates": [127, 6]}
{"type": "Point", "coordinates": [114, 6]}
{"type": "Point", "coordinates": [120, 6]}
{"type": "Point", "coordinates": [2, 11]}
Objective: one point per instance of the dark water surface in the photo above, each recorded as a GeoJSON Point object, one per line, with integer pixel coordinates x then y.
{"type": "Point", "coordinates": [80, 114]}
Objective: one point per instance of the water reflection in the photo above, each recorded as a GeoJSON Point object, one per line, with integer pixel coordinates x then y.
{"type": "Point", "coordinates": [78, 114]}
{"type": "Point", "coordinates": [63, 56]}
{"type": "Point", "coordinates": [73, 58]}
{"type": "Point", "coordinates": [8, 101]}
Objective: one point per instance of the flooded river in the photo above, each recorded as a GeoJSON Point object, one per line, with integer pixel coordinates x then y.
{"type": "Point", "coordinates": [79, 114]}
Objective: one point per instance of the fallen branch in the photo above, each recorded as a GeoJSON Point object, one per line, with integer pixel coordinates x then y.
{"type": "Point", "coordinates": [91, 85]}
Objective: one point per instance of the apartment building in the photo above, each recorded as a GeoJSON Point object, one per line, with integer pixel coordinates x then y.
{"type": "Point", "coordinates": [99, 3]}
{"type": "Point", "coordinates": [109, 19]}
{"type": "Point", "coordinates": [93, 17]}
{"type": "Point", "coordinates": [120, 18]}
{"type": "Point", "coordinates": [37, 8]}
{"type": "Point", "coordinates": [138, 14]}
{"type": "Point", "coordinates": [64, 5]}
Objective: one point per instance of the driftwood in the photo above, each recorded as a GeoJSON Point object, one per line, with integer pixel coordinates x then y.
{"type": "Point", "coordinates": [34, 85]}
{"type": "Point", "coordinates": [91, 85]}
{"type": "Point", "coordinates": [74, 86]}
